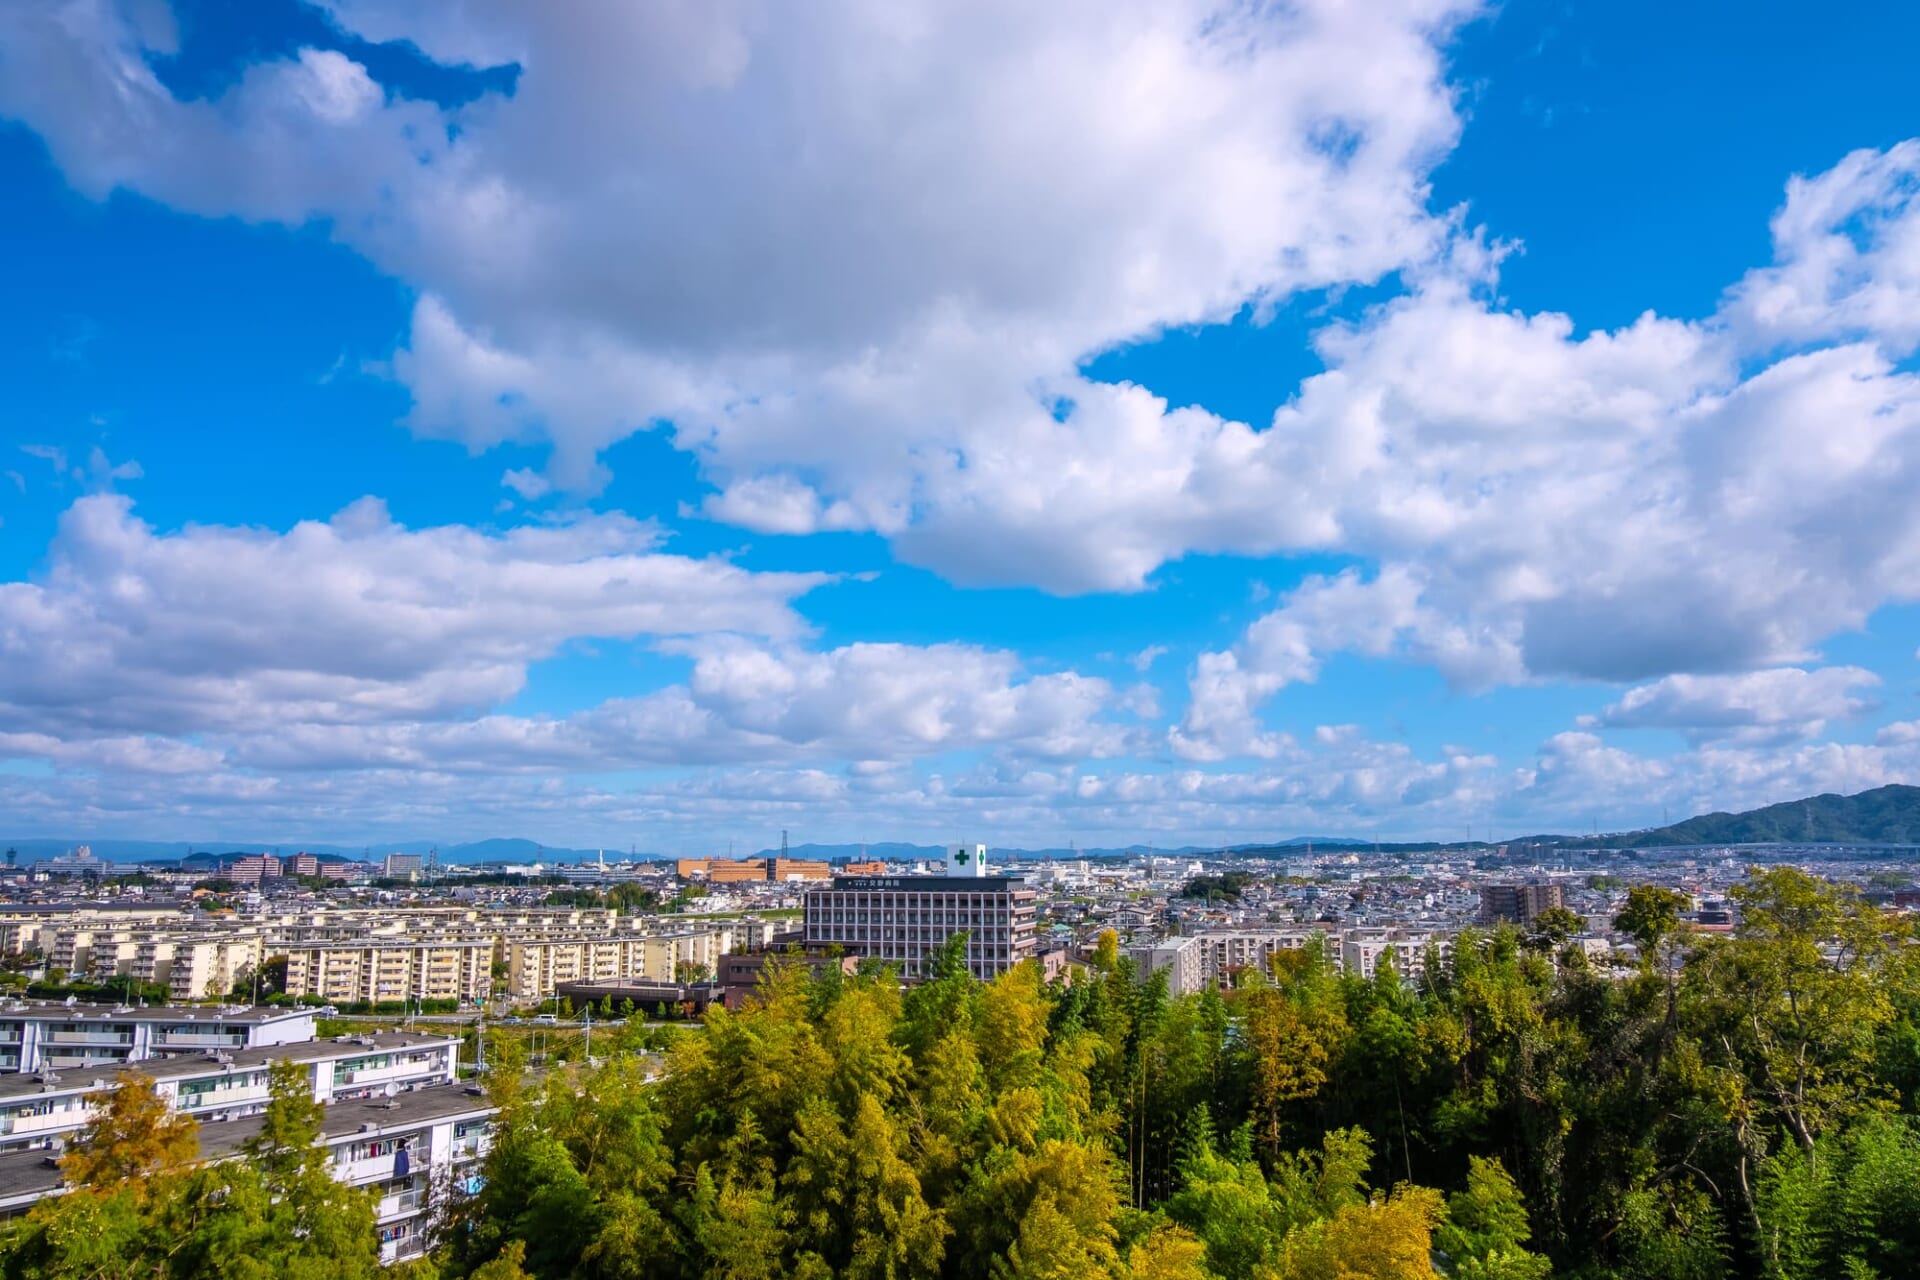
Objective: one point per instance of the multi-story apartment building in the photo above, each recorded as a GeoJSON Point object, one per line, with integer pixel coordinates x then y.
{"type": "Point", "coordinates": [1183, 959]}
{"type": "Point", "coordinates": [1362, 950]}
{"type": "Point", "coordinates": [1519, 903]}
{"type": "Point", "coordinates": [402, 866]}
{"type": "Point", "coordinates": [410, 1149]}
{"type": "Point", "coordinates": [207, 967]}
{"type": "Point", "coordinates": [1206, 959]}
{"type": "Point", "coordinates": [380, 956]}
{"type": "Point", "coordinates": [382, 969]}
{"type": "Point", "coordinates": [666, 956]}
{"type": "Point", "coordinates": [42, 1035]}
{"type": "Point", "coordinates": [537, 965]}
{"type": "Point", "coordinates": [21, 926]}
{"type": "Point", "coordinates": [1228, 951]}
{"type": "Point", "coordinates": [47, 1108]}
{"type": "Point", "coordinates": [252, 869]}
{"type": "Point", "coordinates": [904, 918]}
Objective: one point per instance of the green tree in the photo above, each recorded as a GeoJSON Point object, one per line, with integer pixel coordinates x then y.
{"type": "Point", "coordinates": [1485, 1231]}
{"type": "Point", "coordinates": [1651, 916]}
{"type": "Point", "coordinates": [1385, 1239]}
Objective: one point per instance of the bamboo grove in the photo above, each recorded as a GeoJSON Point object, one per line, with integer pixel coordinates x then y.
{"type": "Point", "coordinates": [1729, 1106]}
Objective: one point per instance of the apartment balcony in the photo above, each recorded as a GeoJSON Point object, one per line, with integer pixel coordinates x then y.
{"type": "Point", "coordinates": [474, 1147]}
{"type": "Point", "coordinates": [400, 1203]}
{"type": "Point", "coordinates": [359, 1173]}
{"type": "Point", "coordinates": [49, 1122]}
{"type": "Point", "coordinates": [407, 1246]}
{"type": "Point", "coordinates": [397, 1071]}
{"type": "Point", "coordinates": [208, 1038]}
{"type": "Point", "coordinates": [102, 1037]}
{"type": "Point", "coordinates": [237, 1095]}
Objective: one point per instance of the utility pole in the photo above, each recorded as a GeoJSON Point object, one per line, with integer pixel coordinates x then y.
{"type": "Point", "coordinates": [589, 1026]}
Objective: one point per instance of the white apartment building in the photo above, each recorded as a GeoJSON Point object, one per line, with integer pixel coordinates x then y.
{"type": "Point", "coordinates": [1204, 960]}
{"type": "Point", "coordinates": [46, 1108]}
{"type": "Point", "coordinates": [1183, 959]}
{"type": "Point", "coordinates": [408, 1149]}
{"type": "Point", "coordinates": [22, 927]}
{"type": "Point", "coordinates": [1361, 950]}
{"type": "Point", "coordinates": [42, 1035]}
{"type": "Point", "coordinates": [380, 956]}
{"type": "Point", "coordinates": [537, 965]}
{"type": "Point", "coordinates": [1253, 949]}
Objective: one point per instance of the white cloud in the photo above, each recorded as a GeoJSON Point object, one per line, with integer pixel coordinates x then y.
{"type": "Point", "coordinates": [1625, 505]}
{"type": "Point", "coordinates": [839, 246]}
{"type": "Point", "coordinates": [232, 660]}
{"type": "Point", "coordinates": [1144, 660]}
{"type": "Point", "coordinates": [1846, 258]}
{"type": "Point", "coordinates": [881, 703]}
{"type": "Point", "coordinates": [355, 619]}
{"type": "Point", "coordinates": [1780, 704]}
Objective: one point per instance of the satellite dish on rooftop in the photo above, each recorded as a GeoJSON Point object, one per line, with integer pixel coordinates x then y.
{"type": "Point", "coordinates": [391, 1089]}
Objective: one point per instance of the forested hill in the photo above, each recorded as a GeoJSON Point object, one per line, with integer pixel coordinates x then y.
{"type": "Point", "coordinates": [1885, 815]}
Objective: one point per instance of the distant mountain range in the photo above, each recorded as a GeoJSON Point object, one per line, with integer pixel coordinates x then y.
{"type": "Point", "coordinates": [1884, 815]}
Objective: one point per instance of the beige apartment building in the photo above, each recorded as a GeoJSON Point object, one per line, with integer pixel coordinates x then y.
{"type": "Point", "coordinates": [380, 956]}
{"type": "Point", "coordinates": [536, 965]}
{"type": "Point", "coordinates": [210, 966]}
{"type": "Point", "coordinates": [191, 965]}
{"type": "Point", "coordinates": [387, 969]}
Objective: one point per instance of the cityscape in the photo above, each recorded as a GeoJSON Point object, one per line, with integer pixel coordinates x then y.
{"type": "Point", "coordinates": [378, 980]}
{"type": "Point", "coordinates": [956, 640]}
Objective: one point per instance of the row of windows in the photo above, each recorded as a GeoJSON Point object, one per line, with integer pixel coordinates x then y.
{"type": "Point", "coordinates": [901, 935]}
{"type": "Point", "coordinates": [940, 898]}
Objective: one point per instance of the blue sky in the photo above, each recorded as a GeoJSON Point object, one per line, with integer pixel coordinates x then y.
{"type": "Point", "coordinates": [1110, 423]}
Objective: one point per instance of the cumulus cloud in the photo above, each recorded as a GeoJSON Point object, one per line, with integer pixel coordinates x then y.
{"type": "Point", "coordinates": [820, 242]}
{"type": "Point", "coordinates": [1334, 779]}
{"type": "Point", "coordinates": [878, 703]}
{"type": "Point", "coordinates": [1707, 498]}
{"type": "Point", "coordinates": [1846, 257]}
{"type": "Point", "coordinates": [1759, 707]}
{"type": "Point", "coordinates": [233, 659]}
{"type": "Point", "coordinates": [349, 620]}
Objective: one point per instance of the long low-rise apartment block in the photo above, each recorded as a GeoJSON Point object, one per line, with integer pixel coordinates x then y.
{"type": "Point", "coordinates": [348, 956]}
{"type": "Point", "coordinates": [48, 1108]}
{"type": "Point", "coordinates": [391, 969]}
{"type": "Point", "coordinates": [45, 1035]}
{"type": "Point", "coordinates": [537, 967]}
{"type": "Point", "coordinates": [408, 1149]}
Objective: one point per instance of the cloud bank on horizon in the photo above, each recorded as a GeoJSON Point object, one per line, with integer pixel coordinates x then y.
{"type": "Point", "coordinates": [846, 411]}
